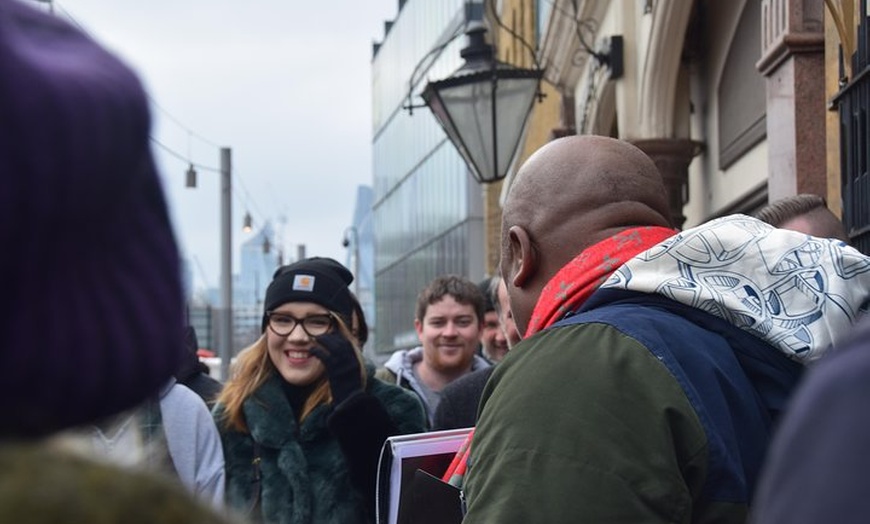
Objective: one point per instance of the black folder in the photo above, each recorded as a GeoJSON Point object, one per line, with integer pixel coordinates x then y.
{"type": "Point", "coordinates": [435, 501]}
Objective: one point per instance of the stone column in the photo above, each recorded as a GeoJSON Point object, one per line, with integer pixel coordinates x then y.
{"type": "Point", "coordinates": [672, 156]}
{"type": "Point", "coordinates": [793, 62]}
{"type": "Point", "coordinates": [492, 226]}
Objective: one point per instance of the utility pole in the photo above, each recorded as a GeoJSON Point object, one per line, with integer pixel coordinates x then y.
{"type": "Point", "coordinates": [226, 326]}
{"type": "Point", "coordinates": [353, 242]}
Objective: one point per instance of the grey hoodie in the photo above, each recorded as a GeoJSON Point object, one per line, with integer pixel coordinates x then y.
{"type": "Point", "coordinates": [194, 442]}
{"type": "Point", "coordinates": [401, 365]}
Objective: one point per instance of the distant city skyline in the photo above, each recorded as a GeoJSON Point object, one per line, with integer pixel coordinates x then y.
{"type": "Point", "coordinates": [285, 85]}
{"type": "Point", "coordinates": [259, 257]}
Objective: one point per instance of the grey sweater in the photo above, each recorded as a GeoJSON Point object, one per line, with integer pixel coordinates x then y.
{"type": "Point", "coordinates": [194, 443]}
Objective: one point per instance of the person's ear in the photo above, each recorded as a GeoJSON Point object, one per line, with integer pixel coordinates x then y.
{"type": "Point", "coordinates": [524, 260]}
{"type": "Point", "coordinates": [418, 326]}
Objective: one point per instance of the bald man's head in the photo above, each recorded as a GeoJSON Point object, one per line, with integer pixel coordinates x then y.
{"type": "Point", "coordinates": [569, 195]}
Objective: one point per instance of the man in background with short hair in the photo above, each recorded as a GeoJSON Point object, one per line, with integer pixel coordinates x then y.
{"type": "Point", "coordinates": [804, 213]}
{"type": "Point", "coordinates": [449, 318]}
{"type": "Point", "coordinates": [461, 398]}
{"type": "Point", "coordinates": [493, 343]}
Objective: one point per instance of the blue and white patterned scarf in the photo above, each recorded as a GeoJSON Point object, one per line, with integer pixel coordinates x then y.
{"type": "Point", "coordinates": [799, 293]}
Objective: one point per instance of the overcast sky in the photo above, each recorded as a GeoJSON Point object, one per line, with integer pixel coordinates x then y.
{"type": "Point", "coordinates": [286, 84]}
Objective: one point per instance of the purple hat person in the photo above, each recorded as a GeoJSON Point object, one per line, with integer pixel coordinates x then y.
{"type": "Point", "coordinates": [91, 315]}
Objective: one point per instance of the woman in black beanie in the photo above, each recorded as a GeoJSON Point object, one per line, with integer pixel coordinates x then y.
{"type": "Point", "coordinates": [303, 419]}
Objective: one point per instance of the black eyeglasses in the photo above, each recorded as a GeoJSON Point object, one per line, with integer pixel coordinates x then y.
{"type": "Point", "coordinates": [283, 324]}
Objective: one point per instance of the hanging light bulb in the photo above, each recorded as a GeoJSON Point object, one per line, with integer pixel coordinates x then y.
{"type": "Point", "coordinates": [191, 177]}
{"type": "Point", "coordinates": [248, 223]}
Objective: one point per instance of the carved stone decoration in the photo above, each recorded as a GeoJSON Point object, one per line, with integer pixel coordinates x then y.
{"type": "Point", "coordinates": [660, 68]}
{"type": "Point", "coordinates": [672, 157]}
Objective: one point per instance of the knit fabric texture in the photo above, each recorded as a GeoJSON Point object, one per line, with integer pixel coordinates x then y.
{"type": "Point", "coordinates": [91, 321]}
{"type": "Point", "coordinates": [320, 280]}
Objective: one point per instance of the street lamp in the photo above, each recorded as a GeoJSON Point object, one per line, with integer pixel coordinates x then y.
{"type": "Point", "coordinates": [483, 106]}
{"type": "Point", "coordinates": [226, 327]}
{"type": "Point", "coordinates": [190, 176]}
{"type": "Point", "coordinates": [225, 334]}
{"type": "Point", "coordinates": [353, 240]}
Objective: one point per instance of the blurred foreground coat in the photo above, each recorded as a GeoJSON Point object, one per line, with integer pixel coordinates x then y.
{"type": "Point", "coordinates": [819, 461]}
{"type": "Point", "coordinates": [43, 485]}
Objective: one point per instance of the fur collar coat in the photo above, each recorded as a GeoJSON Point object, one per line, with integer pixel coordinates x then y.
{"type": "Point", "coordinates": [322, 470]}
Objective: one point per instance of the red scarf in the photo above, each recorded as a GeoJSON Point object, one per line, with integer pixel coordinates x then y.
{"type": "Point", "coordinates": [575, 282]}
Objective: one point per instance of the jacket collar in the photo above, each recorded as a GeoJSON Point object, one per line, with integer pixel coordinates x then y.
{"type": "Point", "coordinates": [271, 419]}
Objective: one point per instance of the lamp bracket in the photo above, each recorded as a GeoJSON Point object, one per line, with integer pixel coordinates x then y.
{"type": "Point", "coordinates": [410, 107]}
{"type": "Point", "coordinates": [610, 55]}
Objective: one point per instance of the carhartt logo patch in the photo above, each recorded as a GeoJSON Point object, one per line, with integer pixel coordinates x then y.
{"type": "Point", "coordinates": [303, 283]}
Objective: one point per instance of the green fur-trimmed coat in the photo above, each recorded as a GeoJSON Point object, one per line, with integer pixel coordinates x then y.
{"type": "Point", "coordinates": [323, 471]}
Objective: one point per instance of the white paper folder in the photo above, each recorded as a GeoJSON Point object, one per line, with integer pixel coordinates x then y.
{"type": "Point", "coordinates": [401, 457]}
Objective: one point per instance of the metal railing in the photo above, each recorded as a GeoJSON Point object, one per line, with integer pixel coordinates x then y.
{"type": "Point", "coordinates": [853, 104]}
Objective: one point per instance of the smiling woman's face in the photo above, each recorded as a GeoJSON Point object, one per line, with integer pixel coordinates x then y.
{"type": "Point", "coordinates": [290, 354]}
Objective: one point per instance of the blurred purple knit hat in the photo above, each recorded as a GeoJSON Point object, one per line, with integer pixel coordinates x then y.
{"type": "Point", "coordinates": [91, 315]}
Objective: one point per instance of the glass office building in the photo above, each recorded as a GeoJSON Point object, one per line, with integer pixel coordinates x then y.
{"type": "Point", "coordinates": [428, 211]}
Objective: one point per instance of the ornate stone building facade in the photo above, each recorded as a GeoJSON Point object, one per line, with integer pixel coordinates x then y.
{"type": "Point", "coordinates": [728, 98]}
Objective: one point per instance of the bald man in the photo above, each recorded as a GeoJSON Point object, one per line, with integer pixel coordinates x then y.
{"type": "Point", "coordinates": [653, 364]}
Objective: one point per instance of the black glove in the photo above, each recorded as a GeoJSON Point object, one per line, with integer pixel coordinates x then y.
{"type": "Point", "coordinates": [342, 365]}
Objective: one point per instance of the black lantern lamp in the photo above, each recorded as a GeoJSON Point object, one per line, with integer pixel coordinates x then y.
{"type": "Point", "coordinates": [190, 180]}
{"type": "Point", "coordinates": [483, 106]}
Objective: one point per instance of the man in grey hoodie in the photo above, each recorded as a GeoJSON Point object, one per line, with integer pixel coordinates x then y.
{"type": "Point", "coordinates": [448, 320]}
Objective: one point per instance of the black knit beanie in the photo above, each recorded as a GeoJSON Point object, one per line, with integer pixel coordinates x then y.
{"type": "Point", "coordinates": [318, 279]}
{"type": "Point", "coordinates": [92, 304]}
